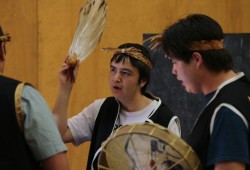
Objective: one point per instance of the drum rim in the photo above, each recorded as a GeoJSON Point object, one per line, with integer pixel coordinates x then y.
{"type": "Point", "coordinates": [176, 142]}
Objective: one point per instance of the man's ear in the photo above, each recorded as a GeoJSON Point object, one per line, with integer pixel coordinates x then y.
{"type": "Point", "coordinates": [142, 83]}
{"type": "Point", "coordinates": [197, 57]}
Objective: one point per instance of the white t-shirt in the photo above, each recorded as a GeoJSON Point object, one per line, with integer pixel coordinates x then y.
{"type": "Point", "coordinates": [82, 124]}
{"type": "Point", "coordinates": [138, 116]}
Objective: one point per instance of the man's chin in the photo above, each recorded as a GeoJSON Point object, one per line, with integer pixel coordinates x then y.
{"type": "Point", "coordinates": [116, 95]}
{"type": "Point", "coordinates": [188, 90]}
{"type": "Point", "coordinates": [191, 91]}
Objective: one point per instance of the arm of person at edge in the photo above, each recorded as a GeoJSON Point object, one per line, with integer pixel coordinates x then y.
{"type": "Point", "coordinates": [56, 162]}
{"type": "Point", "coordinates": [61, 104]}
{"type": "Point", "coordinates": [230, 165]}
{"type": "Point", "coordinates": [41, 133]}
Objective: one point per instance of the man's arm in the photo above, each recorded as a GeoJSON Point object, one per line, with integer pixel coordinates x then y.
{"type": "Point", "coordinates": [60, 109]}
{"type": "Point", "coordinates": [56, 162]}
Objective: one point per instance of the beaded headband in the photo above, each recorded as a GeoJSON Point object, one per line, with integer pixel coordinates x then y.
{"type": "Point", "coordinates": [207, 45]}
{"type": "Point", "coordinates": [133, 52]}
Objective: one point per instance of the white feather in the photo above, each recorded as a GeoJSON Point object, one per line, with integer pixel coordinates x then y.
{"type": "Point", "coordinates": [89, 29]}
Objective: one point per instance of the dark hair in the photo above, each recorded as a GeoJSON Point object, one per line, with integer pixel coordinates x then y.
{"type": "Point", "coordinates": [144, 70]}
{"type": "Point", "coordinates": [177, 38]}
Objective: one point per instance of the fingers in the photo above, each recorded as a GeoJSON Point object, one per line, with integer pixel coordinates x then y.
{"type": "Point", "coordinates": [76, 68]}
{"type": "Point", "coordinates": [63, 72]}
{"type": "Point", "coordinates": [64, 68]}
{"type": "Point", "coordinates": [69, 70]}
{"type": "Point", "coordinates": [71, 60]}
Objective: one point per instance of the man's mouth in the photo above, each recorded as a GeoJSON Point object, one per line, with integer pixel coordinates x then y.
{"type": "Point", "coordinates": [116, 87]}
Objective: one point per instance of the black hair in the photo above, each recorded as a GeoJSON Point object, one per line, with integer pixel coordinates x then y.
{"type": "Point", "coordinates": [144, 70]}
{"type": "Point", "coordinates": [176, 41]}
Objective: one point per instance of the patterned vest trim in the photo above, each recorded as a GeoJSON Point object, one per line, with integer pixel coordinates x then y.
{"type": "Point", "coordinates": [18, 105]}
{"type": "Point", "coordinates": [15, 153]}
{"type": "Point", "coordinates": [237, 94]}
{"type": "Point", "coordinates": [105, 123]}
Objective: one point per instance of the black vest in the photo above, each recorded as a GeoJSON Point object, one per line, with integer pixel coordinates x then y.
{"type": "Point", "coordinates": [14, 153]}
{"type": "Point", "coordinates": [237, 94]}
{"type": "Point", "coordinates": [105, 122]}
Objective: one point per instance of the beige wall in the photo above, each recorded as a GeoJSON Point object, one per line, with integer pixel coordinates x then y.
{"type": "Point", "coordinates": [42, 31]}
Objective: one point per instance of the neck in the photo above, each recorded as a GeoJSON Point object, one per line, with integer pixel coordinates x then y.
{"type": "Point", "coordinates": [213, 81]}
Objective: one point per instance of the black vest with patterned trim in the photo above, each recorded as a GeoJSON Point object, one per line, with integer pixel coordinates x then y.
{"type": "Point", "coordinates": [14, 154]}
{"type": "Point", "coordinates": [237, 94]}
{"type": "Point", "coordinates": [105, 122]}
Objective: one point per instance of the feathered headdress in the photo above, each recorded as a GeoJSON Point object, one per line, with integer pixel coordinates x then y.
{"type": "Point", "coordinates": [3, 39]}
{"type": "Point", "coordinates": [155, 42]}
{"type": "Point", "coordinates": [88, 32]}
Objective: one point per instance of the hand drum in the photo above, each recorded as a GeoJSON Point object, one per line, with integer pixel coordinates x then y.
{"type": "Point", "coordinates": [146, 146]}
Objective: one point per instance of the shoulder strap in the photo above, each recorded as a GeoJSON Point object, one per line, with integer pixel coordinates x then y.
{"type": "Point", "coordinates": [162, 115]}
{"type": "Point", "coordinates": [18, 105]}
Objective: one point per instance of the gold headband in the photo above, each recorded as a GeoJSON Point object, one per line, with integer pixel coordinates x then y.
{"type": "Point", "coordinates": [133, 52]}
{"type": "Point", "coordinates": [195, 45]}
{"type": "Point", "coordinates": [207, 45]}
{"type": "Point", "coordinates": [5, 38]}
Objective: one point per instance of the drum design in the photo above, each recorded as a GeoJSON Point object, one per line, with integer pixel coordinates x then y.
{"type": "Point", "coordinates": [146, 146]}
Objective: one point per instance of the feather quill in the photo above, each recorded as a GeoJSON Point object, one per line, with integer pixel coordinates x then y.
{"type": "Point", "coordinates": [89, 29]}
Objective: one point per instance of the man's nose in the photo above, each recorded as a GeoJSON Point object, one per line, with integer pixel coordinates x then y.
{"type": "Point", "coordinates": [173, 71]}
{"type": "Point", "coordinates": [117, 77]}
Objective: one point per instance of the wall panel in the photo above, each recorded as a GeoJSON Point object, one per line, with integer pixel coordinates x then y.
{"type": "Point", "coordinates": [19, 18]}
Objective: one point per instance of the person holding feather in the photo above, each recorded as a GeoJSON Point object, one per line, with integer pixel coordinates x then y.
{"type": "Point", "coordinates": [130, 102]}
{"type": "Point", "coordinates": [30, 139]}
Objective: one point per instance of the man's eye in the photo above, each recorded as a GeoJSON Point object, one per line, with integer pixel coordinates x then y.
{"type": "Point", "coordinates": [173, 61]}
{"type": "Point", "coordinates": [125, 73]}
